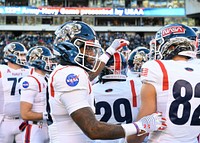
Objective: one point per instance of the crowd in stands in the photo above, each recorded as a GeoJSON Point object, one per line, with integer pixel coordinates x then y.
{"type": "Point", "coordinates": [30, 40]}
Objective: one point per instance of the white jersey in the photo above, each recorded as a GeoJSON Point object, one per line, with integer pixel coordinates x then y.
{"type": "Point", "coordinates": [197, 61]}
{"type": "Point", "coordinates": [64, 82]}
{"type": "Point", "coordinates": [177, 85]}
{"type": "Point", "coordinates": [133, 75]}
{"type": "Point", "coordinates": [9, 90]}
{"type": "Point", "coordinates": [33, 91]}
{"type": "Point", "coordinates": [116, 102]}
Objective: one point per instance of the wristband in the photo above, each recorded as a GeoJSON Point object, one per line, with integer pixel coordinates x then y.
{"type": "Point", "coordinates": [104, 58]}
{"type": "Point", "coordinates": [110, 50]}
{"type": "Point", "coordinates": [44, 116]}
{"type": "Point", "coordinates": [108, 54]}
{"type": "Point", "coordinates": [140, 128]}
{"type": "Point", "coordinates": [136, 126]}
{"type": "Point", "coordinates": [130, 129]}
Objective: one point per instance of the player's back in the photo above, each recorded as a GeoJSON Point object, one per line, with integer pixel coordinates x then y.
{"type": "Point", "coordinates": [177, 84]}
{"type": "Point", "coordinates": [116, 102]}
{"type": "Point", "coordinates": [9, 89]}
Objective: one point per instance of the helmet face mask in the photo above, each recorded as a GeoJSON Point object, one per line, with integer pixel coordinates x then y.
{"type": "Point", "coordinates": [173, 39]}
{"type": "Point", "coordinates": [89, 53]}
{"type": "Point", "coordinates": [15, 52]}
{"type": "Point", "coordinates": [41, 58]}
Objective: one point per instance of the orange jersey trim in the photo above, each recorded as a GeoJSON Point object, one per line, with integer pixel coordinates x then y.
{"type": "Point", "coordinates": [52, 91]}
{"type": "Point", "coordinates": [40, 89]}
{"type": "Point", "coordinates": [134, 96]}
{"type": "Point", "coordinates": [165, 75]}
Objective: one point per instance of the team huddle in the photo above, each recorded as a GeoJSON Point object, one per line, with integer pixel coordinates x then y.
{"type": "Point", "coordinates": [81, 93]}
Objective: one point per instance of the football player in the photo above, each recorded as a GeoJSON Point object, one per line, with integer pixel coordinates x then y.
{"type": "Point", "coordinates": [116, 98]}
{"type": "Point", "coordinates": [72, 117]}
{"type": "Point", "coordinates": [10, 75]}
{"type": "Point", "coordinates": [33, 95]}
{"type": "Point", "coordinates": [171, 86]}
{"type": "Point", "coordinates": [135, 61]}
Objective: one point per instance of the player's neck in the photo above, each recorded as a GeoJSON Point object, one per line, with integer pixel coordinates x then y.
{"type": "Point", "coordinates": [14, 66]}
{"type": "Point", "coordinates": [180, 58]}
{"type": "Point", "coordinates": [40, 72]}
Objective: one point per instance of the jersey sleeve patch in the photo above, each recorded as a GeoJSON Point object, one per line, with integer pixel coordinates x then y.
{"type": "Point", "coordinates": [72, 80]}
{"type": "Point", "coordinates": [25, 84]}
{"type": "Point", "coordinates": [144, 72]}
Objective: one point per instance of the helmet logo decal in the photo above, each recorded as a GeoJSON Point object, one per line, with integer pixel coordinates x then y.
{"type": "Point", "coordinates": [174, 30]}
{"type": "Point", "coordinates": [140, 56]}
{"type": "Point", "coordinates": [144, 72]}
{"type": "Point", "coordinates": [76, 28]}
{"type": "Point", "coordinates": [11, 48]}
{"type": "Point", "coordinates": [72, 79]}
{"type": "Point", "coordinates": [139, 59]}
{"type": "Point", "coordinates": [25, 84]}
{"type": "Point", "coordinates": [72, 29]}
{"type": "Point", "coordinates": [37, 52]}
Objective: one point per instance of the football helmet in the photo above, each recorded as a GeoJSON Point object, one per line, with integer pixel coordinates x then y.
{"type": "Point", "coordinates": [115, 69]}
{"type": "Point", "coordinates": [152, 47]}
{"type": "Point", "coordinates": [72, 30]}
{"type": "Point", "coordinates": [76, 44]}
{"type": "Point", "coordinates": [125, 51]}
{"type": "Point", "coordinates": [15, 52]}
{"type": "Point", "coordinates": [41, 58]}
{"type": "Point", "coordinates": [137, 58]}
{"type": "Point", "coordinates": [175, 39]}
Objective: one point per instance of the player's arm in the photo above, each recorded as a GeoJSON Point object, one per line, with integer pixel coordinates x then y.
{"type": "Point", "coordinates": [148, 106]}
{"type": "Point", "coordinates": [27, 113]}
{"type": "Point", "coordinates": [116, 45]}
{"type": "Point", "coordinates": [94, 129]}
{"type": "Point", "coordinates": [26, 102]}
{"type": "Point", "coordinates": [84, 117]}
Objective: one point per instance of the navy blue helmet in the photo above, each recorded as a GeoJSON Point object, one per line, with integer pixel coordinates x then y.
{"type": "Point", "coordinates": [175, 39]}
{"type": "Point", "coordinates": [15, 52]}
{"type": "Point", "coordinates": [41, 58]}
{"type": "Point", "coordinates": [72, 30]}
{"type": "Point", "coordinates": [137, 58]}
{"type": "Point", "coordinates": [115, 69]}
{"type": "Point", "coordinates": [76, 44]}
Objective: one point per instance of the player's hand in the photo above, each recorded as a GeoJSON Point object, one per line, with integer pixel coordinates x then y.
{"type": "Point", "coordinates": [117, 44]}
{"type": "Point", "coordinates": [151, 123]}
